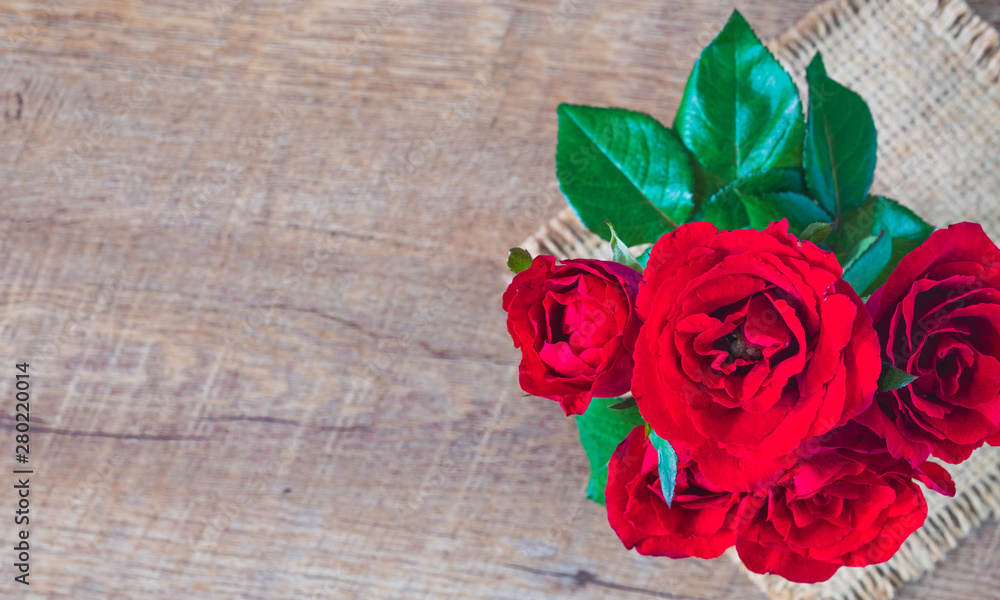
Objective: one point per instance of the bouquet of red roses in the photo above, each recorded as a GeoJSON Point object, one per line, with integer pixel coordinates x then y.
{"type": "Point", "coordinates": [776, 369]}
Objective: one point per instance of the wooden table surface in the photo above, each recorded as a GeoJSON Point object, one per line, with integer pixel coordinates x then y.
{"type": "Point", "coordinates": [253, 252]}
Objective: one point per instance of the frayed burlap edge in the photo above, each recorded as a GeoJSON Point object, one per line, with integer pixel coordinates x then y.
{"type": "Point", "coordinates": [977, 480]}
{"type": "Point", "coordinates": [968, 35]}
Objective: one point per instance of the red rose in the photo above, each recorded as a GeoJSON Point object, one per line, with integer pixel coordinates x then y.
{"type": "Point", "coordinates": [752, 343]}
{"type": "Point", "coordinates": [575, 324]}
{"type": "Point", "coordinates": [700, 521]}
{"type": "Point", "coordinates": [849, 503]}
{"type": "Point", "coordinates": [938, 317]}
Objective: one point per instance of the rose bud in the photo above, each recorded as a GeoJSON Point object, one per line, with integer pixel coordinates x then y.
{"type": "Point", "coordinates": [938, 318]}
{"type": "Point", "coordinates": [699, 522]}
{"type": "Point", "coordinates": [575, 323]}
{"type": "Point", "coordinates": [751, 344]}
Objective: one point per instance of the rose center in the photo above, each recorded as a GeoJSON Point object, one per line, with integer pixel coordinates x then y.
{"type": "Point", "coordinates": [740, 348]}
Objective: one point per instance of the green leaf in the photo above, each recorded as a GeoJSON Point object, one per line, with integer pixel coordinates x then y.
{"type": "Point", "coordinates": [623, 403]}
{"type": "Point", "coordinates": [644, 257]}
{"type": "Point", "coordinates": [840, 143]}
{"type": "Point", "coordinates": [892, 378]}
{"type": "Point", "coordinates": [906, 229]}
{"type": "Point", "coordinates": [518, 259]}
{"type": "Point", "coordinates": [667, 466]}
{"type": "Point", "coordinates": [869, 259]}
{"type": "Point", "coordinates": [741, 111]}
{"type": "Point", "coordinates": [601, 430]}
{"type": "Point", "coordinates": [798, 209]}
{"type": "Point", "coordinates": [620, 252]}
{"type": "Point", "coordinates": [706, 184]}
{"type": "Point", "coordinates": [625, 167]}
{"type": "Point", "coordinates": [773, 181]}
{"type": "Point", "coordinates": [857, 225]}
{"type": "Point", "coordinates": [816, 232]}
{"type": "Point", "coordinates": [726, 209]}
{"type": "Point", "coordinates": [816, 68]}
{"type": "Point", "coordinates": [901, 221]}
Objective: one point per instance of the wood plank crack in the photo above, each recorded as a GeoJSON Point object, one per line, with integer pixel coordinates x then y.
{"type": "Point", "coordinates": [583, 578]}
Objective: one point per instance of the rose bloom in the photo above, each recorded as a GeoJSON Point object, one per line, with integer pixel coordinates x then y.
{"type": "Point", "coordinates": [700, 521]}
{"type": "Point", "coordinates": [752, 343]}
{"type": "Point", "coordinates": [849, 503]}
{"type": "Point", "coordinates": [576, 325]}
{"type": "Point", "coordinates": [938, 317]}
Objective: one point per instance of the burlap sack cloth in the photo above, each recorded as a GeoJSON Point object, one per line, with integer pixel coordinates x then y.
{"type": "Point", "coordinates": [929, 71]}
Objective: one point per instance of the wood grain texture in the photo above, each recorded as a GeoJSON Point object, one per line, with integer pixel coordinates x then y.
{"type": "Point", "coordinates": [254, 253]}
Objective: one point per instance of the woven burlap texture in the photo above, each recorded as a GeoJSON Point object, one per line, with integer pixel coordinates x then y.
{"type": "Point", "coordinates": [929, 71]}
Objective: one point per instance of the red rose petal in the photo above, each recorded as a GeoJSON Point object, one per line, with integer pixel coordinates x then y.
{"type": "Point", "coordinates": [731, 473]}
{"type": "Point", "coordinates": [791, 566]}
{"type": "Point", "coordinates": [960, 241]}
{"type": "Point", "coordinates": [937, 478]}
